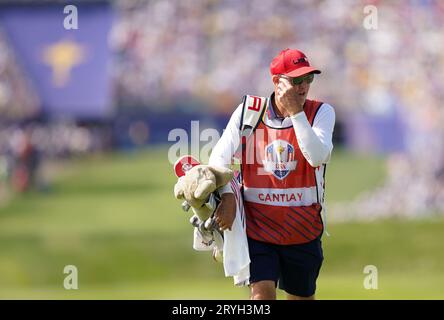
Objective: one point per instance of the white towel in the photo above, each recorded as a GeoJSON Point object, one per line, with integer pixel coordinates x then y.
{"type": "Point", "coordinates": [236, 258]}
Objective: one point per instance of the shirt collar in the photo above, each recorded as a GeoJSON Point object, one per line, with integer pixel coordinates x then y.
{"type": "Point", "coordinates": [271, 113]}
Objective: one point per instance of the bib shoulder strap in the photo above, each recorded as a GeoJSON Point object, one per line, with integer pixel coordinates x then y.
{"type": "Point", "coordinates": [252, 111]}
{"type": "Point", "coordinates": [311, 109]}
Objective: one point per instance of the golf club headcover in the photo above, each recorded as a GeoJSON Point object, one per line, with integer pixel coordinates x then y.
{"type": "Point", "coordinates": [197, 185]}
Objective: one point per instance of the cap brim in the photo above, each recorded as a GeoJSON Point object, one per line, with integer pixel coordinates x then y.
{"type": "Point", "coordinates": [302, 71]}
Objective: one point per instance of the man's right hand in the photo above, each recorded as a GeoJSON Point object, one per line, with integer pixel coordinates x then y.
{"type": "Point", "coordinates": [289, 98]}
{"type": "Point", "coordinates": [226, 211]}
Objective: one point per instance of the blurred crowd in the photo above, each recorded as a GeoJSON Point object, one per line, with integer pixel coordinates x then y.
{"type": "Point", "coordinates": [218, 50]}
{"type": "Point", "coordinates": [210, 53]}
{"type": "Point", "coordinates": [205, 55]}
{"type": "Point", "coordinates": [24, 147]}
{"type": "Point", "coordinates": [18, 100]}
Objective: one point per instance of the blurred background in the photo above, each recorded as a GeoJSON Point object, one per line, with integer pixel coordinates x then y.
{"type": "Point", "coordinates": [86, 109]}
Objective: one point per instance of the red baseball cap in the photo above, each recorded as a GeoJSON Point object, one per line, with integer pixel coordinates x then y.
{"type": "Point", "coordinates": [292, 63]}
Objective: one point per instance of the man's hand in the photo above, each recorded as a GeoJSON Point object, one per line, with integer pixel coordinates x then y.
{"type": "Point", "coordinates": [226, 211]}
{"type": "Point", "coordinates": [289, 98]}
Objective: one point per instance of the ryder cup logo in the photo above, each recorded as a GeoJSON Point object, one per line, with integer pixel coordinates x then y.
{"type": "Point", "coordinates": [279, 158]}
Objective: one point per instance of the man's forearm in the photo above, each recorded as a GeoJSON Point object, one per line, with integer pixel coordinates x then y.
{"type": "Point", "coordinates": [314, 151]}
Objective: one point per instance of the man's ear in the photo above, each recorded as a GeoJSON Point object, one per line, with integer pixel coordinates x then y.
{"type": "Point", "coordinates": [275, 78]}
{"type": "Point", "coordinates": [223, 175]}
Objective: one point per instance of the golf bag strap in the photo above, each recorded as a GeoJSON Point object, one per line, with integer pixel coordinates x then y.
{"type": "Point", "coordinates": [252, 111]}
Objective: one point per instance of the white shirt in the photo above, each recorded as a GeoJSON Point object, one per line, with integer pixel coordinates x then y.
{"type": "Point", "coordinates": [314, 141]}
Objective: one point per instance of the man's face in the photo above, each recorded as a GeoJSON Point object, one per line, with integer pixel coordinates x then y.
{"type": "Point", "coordinates": [300, 85]}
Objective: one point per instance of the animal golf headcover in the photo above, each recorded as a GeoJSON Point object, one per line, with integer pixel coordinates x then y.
{"type": "Point", "coordinates": [198, 183]}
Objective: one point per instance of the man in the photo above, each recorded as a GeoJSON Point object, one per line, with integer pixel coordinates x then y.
{"type": "Point", "coordinates": [284, 149]}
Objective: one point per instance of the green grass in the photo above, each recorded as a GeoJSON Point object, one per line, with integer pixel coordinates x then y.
{"type": "Point", "coordinates": [114, 217]}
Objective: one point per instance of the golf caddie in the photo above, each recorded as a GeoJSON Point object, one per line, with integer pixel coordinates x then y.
{"type": "Point", "coordinates": [284, 143]}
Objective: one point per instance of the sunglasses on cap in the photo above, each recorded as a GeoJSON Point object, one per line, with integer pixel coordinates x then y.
{"type": "Point", "coordinates": [297, 81]}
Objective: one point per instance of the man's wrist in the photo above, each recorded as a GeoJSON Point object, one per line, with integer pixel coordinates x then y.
{"type": "Point", "coordinates": [297, 114]}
